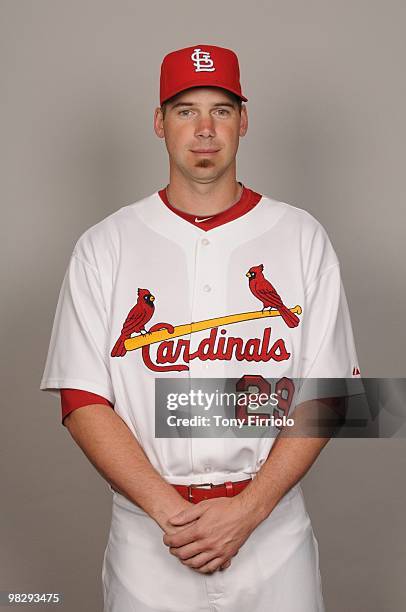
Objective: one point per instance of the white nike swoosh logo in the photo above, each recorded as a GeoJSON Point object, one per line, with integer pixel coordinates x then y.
{"type": "Point", "coordinates": [201, 220]}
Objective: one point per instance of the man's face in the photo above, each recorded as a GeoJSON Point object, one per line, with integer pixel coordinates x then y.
{"type": "Point", "coordinates": [202, 127]}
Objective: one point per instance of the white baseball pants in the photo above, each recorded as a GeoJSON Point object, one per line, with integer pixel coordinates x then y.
{"type": "Point", "coordinates": [276, 569]}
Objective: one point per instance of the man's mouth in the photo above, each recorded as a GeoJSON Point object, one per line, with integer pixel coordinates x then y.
{"type": "Point", "coordinates": [204, 151]}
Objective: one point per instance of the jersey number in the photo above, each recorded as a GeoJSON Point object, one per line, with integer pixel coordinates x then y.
{"type": "Point", "coordinates": [254, 386]}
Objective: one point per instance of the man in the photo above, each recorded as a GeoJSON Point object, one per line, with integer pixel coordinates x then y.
{"type": "Point", "coordinates": [204, 279]}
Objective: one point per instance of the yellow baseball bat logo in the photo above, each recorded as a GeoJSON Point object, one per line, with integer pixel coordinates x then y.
{"type": "Point", "coordinates": [159, 335]}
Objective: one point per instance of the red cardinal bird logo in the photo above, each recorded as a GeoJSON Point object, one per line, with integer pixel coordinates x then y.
{"type": "Point", "coordinates": [262, 289]}
{"type": "Point", "coordinates": [136, 319]}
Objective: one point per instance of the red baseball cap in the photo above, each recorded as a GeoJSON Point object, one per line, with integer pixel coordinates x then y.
{"type": "Point", "coordinates": [199, 66]}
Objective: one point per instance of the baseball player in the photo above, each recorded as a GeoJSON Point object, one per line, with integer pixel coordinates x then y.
{"type": "Point", "coordinates": [203, 279]}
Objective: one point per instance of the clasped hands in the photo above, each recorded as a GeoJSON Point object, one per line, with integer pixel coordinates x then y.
{"type": "Point", "coordinates": [211, 533]}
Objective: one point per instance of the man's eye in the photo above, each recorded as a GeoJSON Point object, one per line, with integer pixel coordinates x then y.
{"type": "Point", "coordinates": [184, 112]}
{"type": "Point", "coordinates": [223, 111]}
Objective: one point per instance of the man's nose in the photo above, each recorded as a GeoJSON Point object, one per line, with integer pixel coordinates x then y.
{"type": "Point", "coordinates": [205, 126]}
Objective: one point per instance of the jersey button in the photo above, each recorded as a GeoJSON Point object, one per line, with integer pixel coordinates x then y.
{"type": "Point", "coordinates": [205, 242]}
{"type": "Point", "coordinates": [206, 288]}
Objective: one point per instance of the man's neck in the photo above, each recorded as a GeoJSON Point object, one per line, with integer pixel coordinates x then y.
{"type": "Point", "coordinates": [203, 199]}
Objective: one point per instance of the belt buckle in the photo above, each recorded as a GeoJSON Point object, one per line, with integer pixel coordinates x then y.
{"type": "Point", "coordinates": [197, 486]}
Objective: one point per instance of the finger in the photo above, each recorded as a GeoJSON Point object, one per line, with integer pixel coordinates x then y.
{"type": "Point", "coordinates": [181, 538]}
{"type": "Point", "coordinates": [189, 550]}
{"type": "Point", "coordinates": [172, 529]}
{"type": "Point", "coordinates": [200, 560]}
{"type": "Point", "coordinates": [211, 566]}
{"type": "Point", "coordinates": [225, 565]}
{"type": "Point", "coordinates": [187, 515]}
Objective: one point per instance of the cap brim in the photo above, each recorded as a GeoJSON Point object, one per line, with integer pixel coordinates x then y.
{"type": "Point", "coordinates": [203, 84]}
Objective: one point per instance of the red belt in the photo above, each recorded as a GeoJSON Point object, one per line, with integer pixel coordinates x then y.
{"type": "Point", "coordinates": [196, 492]}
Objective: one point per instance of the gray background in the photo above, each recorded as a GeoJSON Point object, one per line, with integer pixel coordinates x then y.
{"type": "Point", "coordinates": [326, 89]}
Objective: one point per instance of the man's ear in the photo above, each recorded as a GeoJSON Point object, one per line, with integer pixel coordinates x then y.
{"type": "Point", "coordinates": [159, 123]}
{"type": "Point", "coordinates": [243, 120]}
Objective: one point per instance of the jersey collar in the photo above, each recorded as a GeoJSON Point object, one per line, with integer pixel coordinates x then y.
{"type": "Point", "coordinates": [156, 215]}
{"type": "Point", "coordinates": [247, 201]}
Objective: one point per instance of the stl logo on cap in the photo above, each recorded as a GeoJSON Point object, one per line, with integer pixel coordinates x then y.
{"type": "Point", "coordinates": [202, 61]}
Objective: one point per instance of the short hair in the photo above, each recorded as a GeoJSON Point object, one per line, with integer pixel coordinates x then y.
{"type": "Point", "coordinates": [236, 99]}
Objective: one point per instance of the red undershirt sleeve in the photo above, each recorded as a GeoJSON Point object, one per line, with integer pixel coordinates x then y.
{"type": "Point", "coordinates": [71, 399]}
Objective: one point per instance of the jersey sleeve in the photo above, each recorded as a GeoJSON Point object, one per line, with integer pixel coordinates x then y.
{"type": "Point", "coordinates": [328, 347]}
{"type": "Point", "coordinates": [78, 356]}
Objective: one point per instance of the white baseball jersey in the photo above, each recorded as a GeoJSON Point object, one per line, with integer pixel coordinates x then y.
{"type": "Point", "coordinates": [195, 277]}
{"type": "Point", "coordinates": [206, 318]}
